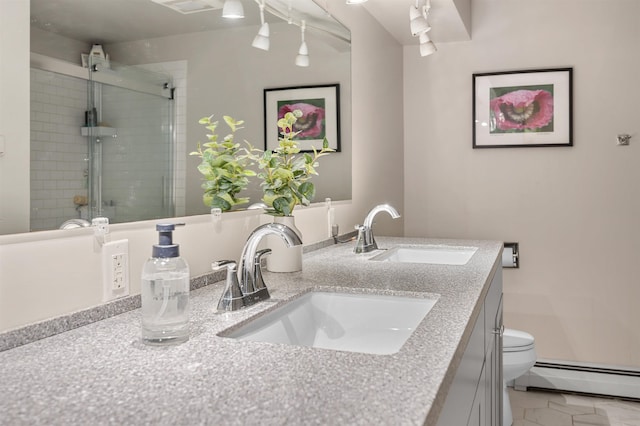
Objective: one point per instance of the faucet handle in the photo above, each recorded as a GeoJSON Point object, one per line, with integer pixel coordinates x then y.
{"type": "Point", "coordinates": [365, 241]}
{"type": "Point", "coordinates": [261, 253]}
{"type": "Point", "coordinates": [219, 264]}
{"type": "Point", "coordinates": [232, 297]}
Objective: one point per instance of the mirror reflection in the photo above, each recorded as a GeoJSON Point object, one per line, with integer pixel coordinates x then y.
{"type": "Point", "coordinates": [116, 99]}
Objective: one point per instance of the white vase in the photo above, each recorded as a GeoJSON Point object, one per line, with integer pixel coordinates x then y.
{"type": "Point", "coordinates": [283, 258]}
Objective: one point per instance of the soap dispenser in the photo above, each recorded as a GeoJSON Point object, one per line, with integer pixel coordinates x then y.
{"type": "Point", "coordinates": [165, 292]}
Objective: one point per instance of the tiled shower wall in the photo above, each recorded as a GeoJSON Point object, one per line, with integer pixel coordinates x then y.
{"type": "Point", "coordinates": [59, 154]}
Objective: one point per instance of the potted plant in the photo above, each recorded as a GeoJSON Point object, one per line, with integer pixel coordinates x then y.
{"type": "Point", "coordinates": [285, 175]}
{"type": "Point", "coordinates": [285, 172]}
{"type": "Point", "coordinates": [225, 166]}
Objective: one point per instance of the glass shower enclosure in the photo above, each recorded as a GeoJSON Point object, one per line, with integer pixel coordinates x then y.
{"type": "Point", "coordinates": [129, 126]}
{"type": "Point", "coordinates": [103, 143]}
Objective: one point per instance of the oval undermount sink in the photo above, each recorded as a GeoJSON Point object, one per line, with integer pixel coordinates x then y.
{"type": "Point", "coordinates": [434, 254]}
{"type": "Point", "coordinates": [366, 323]}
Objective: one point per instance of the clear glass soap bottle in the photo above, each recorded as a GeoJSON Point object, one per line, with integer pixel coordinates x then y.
{"type": "Point", "coordinates": [165, 292]}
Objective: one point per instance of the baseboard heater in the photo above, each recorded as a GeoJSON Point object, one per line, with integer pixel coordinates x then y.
{"type": "Point", "coordinates": [582, 378]}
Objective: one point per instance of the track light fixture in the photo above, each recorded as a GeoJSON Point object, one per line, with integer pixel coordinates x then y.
{"type": "Point", "coordinates": [417, 20]}
{"type": "Point", "coordinates": [302, 60]}
{"type": "Point", "coordinates": [426, 45]}
{"type": "Point", "coordinates": [419, 25]}
{"type": "Point", "coordinates": [261, 41]}
{"type": "Point", "coordinates": [232, 9]}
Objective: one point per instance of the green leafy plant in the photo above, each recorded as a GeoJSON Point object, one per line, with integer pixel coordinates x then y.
{"type": "Point", "coordinates": [285, 172]}
{"type": "Point", "coordinates": [225, 166]}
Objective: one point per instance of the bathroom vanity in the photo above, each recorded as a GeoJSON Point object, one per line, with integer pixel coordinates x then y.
{"type": "Point", "coordinates": [447, 372]}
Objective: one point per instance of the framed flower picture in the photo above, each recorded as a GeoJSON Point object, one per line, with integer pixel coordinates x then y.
{"type": "Point", "coordinates": [320, 107]}
{"type": "Point", "coordinates": [530, 108]}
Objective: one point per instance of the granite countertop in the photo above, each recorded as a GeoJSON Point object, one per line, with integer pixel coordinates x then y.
{"type": "Point", "coordinates": [102, 374]}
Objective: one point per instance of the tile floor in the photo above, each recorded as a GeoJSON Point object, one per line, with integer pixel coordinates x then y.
{"type": "Point", "coordinates": [537, 408]}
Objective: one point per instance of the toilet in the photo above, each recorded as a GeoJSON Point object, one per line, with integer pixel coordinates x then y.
{"type": "Point", "coordinates": [518, 356]}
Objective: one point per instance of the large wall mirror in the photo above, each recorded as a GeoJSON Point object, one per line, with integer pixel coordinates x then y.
{"type": "Point", "coordinates": [115, 128]}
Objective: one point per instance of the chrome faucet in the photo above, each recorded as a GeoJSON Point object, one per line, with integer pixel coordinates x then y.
{"type": "Point", "coordinates": [245, 286]}
{"type": "Point", "coordinates": [366, 242]}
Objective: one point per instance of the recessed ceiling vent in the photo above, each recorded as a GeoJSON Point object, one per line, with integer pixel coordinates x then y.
{"type": "Point", "coordinates": [191, 6]}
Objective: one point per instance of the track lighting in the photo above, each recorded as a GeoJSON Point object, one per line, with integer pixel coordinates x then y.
{"type": "Point", "coordinates": [261, 41]}
{"type": "Point", "coordinates": [302, 60]}
{"type": "Point", "coordinates": [232, 9]}
{"type": "Point", "coordinates": [419, 26]}
{"type": "Point", "coordinates": [418, 19]}
{"type": "Point", "coordinates": [426, 45]}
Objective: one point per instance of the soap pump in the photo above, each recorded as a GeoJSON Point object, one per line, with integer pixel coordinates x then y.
{"type": "Point", "coordinates": [165, 292]}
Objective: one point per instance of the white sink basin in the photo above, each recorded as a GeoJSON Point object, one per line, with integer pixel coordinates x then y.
{"type": "Point", "coordinates": [366, 323]}
{"type": "Point", "coordinates": [435, 254]}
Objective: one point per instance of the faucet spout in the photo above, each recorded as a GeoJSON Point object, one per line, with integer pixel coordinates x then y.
{"type": "Point", "coordinates": [366, 242]}
{"type": "Point", "coordinates": [368, 221]}
{"type": "Point", "coordinates": [250, 282]}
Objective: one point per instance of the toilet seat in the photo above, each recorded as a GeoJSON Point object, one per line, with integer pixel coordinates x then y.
{"type": "Point", "coordinates": [517, 341]}
{"type": "Point", "coordinates": [518, 348]}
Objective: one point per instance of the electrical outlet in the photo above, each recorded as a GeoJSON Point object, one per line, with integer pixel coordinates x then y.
{"type": "Point", "coordinates": [115, 270]}
{"type": "Point", "coordinates": [118, 265]}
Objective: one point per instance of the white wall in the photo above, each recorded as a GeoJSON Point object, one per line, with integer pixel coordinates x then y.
{"type": "Point", "coordinates": [43, 275]}
{"type": "Point", "coordinates": [57, 46]}
{"type": "Point", "coordinates": [14, 116]}
{"type": "Point", "coordinates": [574, 210]}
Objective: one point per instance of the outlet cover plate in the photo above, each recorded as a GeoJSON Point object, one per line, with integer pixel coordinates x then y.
{"type": "Point", "coordinates": [115, 270]}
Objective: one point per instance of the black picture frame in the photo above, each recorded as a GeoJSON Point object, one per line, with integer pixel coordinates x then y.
{"type": "Point", "coordinates": [524, 108]}
{"type": "Point", "coordinates": [321, 103]}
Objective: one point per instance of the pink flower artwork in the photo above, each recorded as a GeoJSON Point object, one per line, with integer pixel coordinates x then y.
{"type": "Point", "coordinates": [311, 124]}
{"type": "Point", "coordinates": [522, 110]}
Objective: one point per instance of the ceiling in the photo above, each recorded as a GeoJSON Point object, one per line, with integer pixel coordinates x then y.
{"type": "Point", "coordinates": [115, 21]}
{"type": "Point", "coordinates": [445, 18]}
{"type": "Point", "coordinates": [92, 22]}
